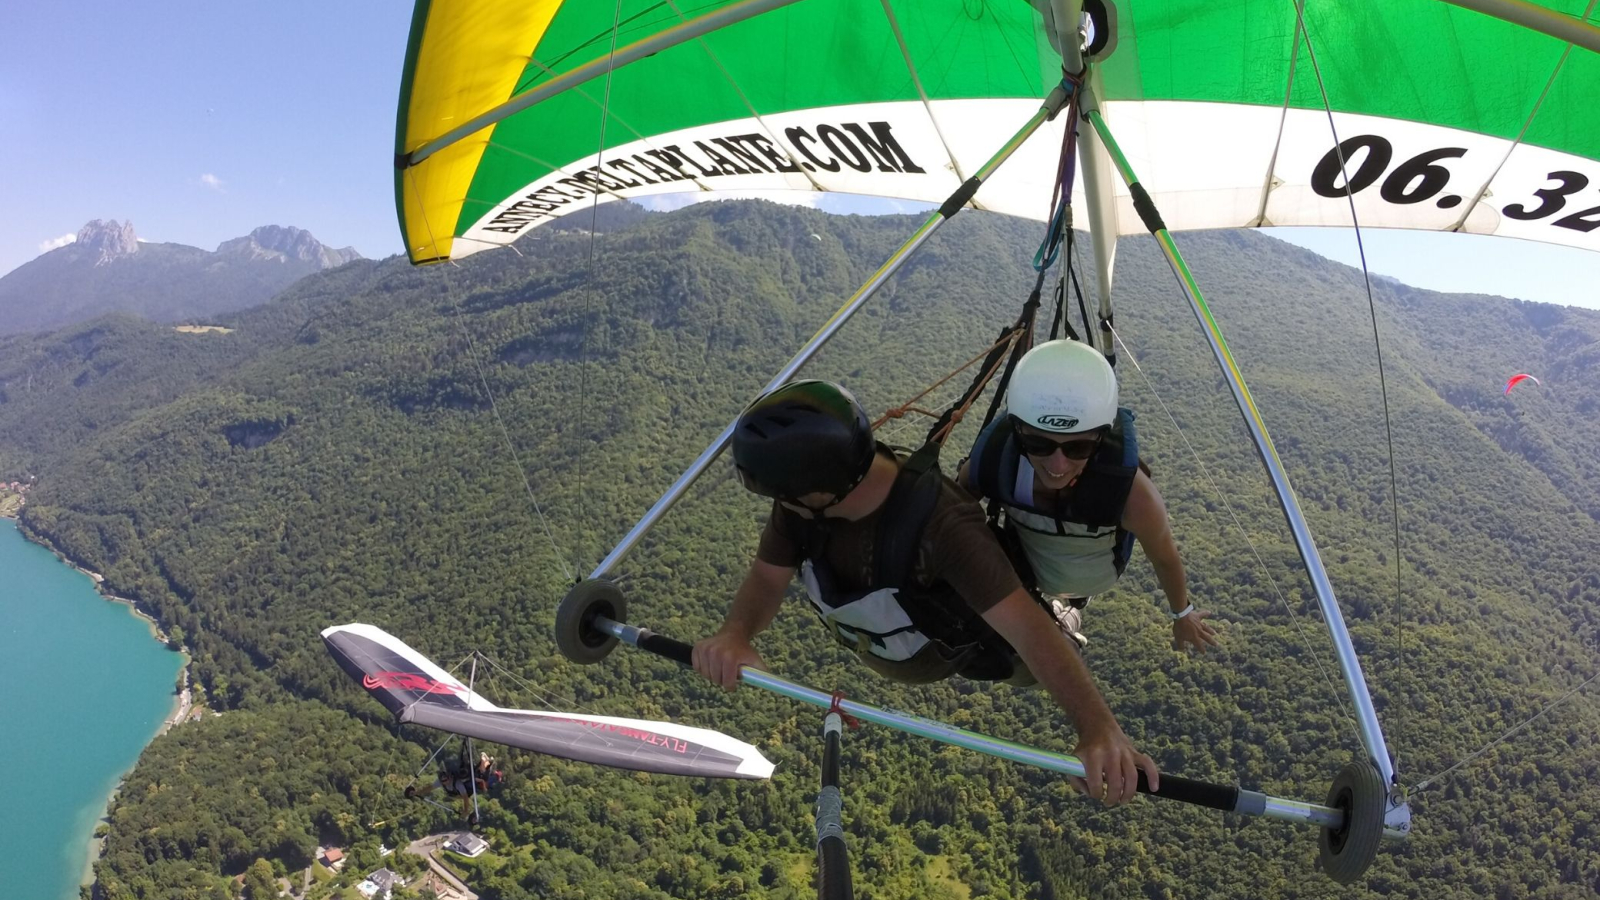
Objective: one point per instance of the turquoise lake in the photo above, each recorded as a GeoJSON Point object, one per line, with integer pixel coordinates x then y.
{"type": "Point", "coordinates": [85, 689]}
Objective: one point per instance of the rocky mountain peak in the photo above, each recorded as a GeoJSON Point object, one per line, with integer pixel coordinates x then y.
{"type": "Point", "coordinates": [287, 243]}
{"type": "Point", "coordinates": [108, 239]}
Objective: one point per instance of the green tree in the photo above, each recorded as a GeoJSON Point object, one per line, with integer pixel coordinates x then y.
{"type": "Point", "coordinates": [259, 883]}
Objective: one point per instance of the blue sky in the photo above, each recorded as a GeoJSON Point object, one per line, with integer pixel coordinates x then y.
{"type": "Point", "coordinates": [201, 121]}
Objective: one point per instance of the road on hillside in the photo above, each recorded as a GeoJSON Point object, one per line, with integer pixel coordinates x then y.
{"type": "Point", "coordinates": [426, 847]}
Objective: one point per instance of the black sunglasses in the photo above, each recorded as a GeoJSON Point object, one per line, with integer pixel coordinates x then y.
{"type": "Point", "coordinates": [1039, 445]}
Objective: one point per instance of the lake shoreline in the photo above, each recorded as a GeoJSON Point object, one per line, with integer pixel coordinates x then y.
{"type": "Point", "coordinates": [99, 586]}
{"type": "Point", "coordinates": [181, 708]}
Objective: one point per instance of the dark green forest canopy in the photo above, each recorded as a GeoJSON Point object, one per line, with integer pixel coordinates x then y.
{"type": "Point", "coordinates": [336, 457]}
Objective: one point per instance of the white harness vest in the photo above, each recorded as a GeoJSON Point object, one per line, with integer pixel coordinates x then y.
{"type": "Point", "coordinates": [1067, 558]}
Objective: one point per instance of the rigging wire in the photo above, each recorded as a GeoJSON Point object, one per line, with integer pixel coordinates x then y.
{"type": "Point", "coordinates": [1483, 190]}
{"type": "Point", "coordinates": [1277, 143]}
{"type": "Point", "coordinates": [494, 406]}
{"type": "Point", "coordinates": [551, 701]}
{"type": "Point", "coordinates": [916, 81]}
{"type": "Point", "coordinates": [425, 694]}
{"type": "Point", "coordinates": [744, 99]}
{"type": "Point", "coordinates": [1305, 641]}
{"type": "Point", "coordinates": [583, 349]}
{"type": "Point", "coordinates": [1377, 342]}
{"type": "Point", "coordinates": [429, 761]}
{"type": "Point", "coordinates": [1425, 783]}
{"type": "Point", "coordinates": [505, 432]}
{"type": "Point", "coordinates": [1388, 424]}
{"type": "Point", "coordinates": [563, 704]}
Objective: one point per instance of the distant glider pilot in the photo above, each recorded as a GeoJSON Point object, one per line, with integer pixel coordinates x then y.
{"type": "Point", "coordinates": [1063, 464]}
{"type": "Point", "coordinates": [488, 776]}
{"type": "Point", "coordinates": [844, 508]}
{"type": "Point", "coordinates": [455, 777]}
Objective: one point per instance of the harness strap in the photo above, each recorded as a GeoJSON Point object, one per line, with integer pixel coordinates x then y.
{"type": "Point", "coordinates": [836, 706]}
{"type": "Point", "coordinates": [904, 518]}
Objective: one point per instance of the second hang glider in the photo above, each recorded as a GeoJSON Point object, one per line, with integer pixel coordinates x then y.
{"type": "Point", "coordinates": [417, 691]}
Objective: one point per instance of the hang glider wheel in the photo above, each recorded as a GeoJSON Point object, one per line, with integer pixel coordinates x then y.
{"type": "Point", "coordinates": [576, 636]}
{"type": "Point", "coordinates": [1358, 790]}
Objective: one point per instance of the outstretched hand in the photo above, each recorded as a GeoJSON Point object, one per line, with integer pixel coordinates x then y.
{"type": "Point", "coordinates": [1192, 631]}
{"type": "Point", "coordinates": [1111, 766]}
{"type": "Point", "coordinates": [719, 657]}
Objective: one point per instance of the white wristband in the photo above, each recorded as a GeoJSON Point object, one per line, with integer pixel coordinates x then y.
{"type": "Point", "coordinates": [1175, 616]}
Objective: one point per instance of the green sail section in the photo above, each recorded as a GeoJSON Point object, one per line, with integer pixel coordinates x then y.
{"type": "Point", "coordinates": [1417, 60]}
{"type": "Point", "coordinates": [935, 75]}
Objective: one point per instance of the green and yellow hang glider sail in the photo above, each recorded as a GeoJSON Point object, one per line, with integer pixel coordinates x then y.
{"type": "Point", "coordinates": [1456, 115]}
{"type": "Point", "coordinates": [1477, 119]}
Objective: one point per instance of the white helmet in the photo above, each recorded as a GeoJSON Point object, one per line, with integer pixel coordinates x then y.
{"type": "Point", "coordinates": [1064, 386]}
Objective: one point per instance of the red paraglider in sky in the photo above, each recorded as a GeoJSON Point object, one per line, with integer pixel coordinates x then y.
{"type": "Point", "coordinates": [1518, 379]}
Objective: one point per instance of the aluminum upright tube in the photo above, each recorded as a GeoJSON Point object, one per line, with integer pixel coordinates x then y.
{"type": "Point", "coordinates": [1537, 18]}
{"type": "Point", "coordinates": [1349, 664]}
{"type": "Point", "coordinates": [952, 205]}
{"type": "Point", "coordinates": [833, 858]}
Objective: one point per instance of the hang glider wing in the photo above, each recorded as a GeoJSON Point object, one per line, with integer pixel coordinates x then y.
{"type": "Point", "coordinates": [419, 692]}
{"type": "Point", "coordinates": [1446, 118]}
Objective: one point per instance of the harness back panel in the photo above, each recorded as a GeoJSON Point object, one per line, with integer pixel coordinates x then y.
{"type": "Point", "coordinates": [900, 628]}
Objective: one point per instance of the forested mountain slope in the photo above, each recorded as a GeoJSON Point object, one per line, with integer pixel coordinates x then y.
{"type": "Point", "coordinates": [345, 462]}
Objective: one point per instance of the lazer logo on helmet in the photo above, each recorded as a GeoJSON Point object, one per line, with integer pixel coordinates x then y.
{"type": "Point", "coordinates": [1057, 421]}
{"type": "Point", "coordinates": [407, 681]}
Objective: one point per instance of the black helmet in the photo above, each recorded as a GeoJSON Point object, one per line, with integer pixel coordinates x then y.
{"type": "Point", "coordinates": [805, 437]}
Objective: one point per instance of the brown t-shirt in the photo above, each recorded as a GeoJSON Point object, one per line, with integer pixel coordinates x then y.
{"type": "Point", "coordinates": [957, 548]}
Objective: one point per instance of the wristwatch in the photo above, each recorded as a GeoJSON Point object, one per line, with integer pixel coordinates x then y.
{"type": "Point", "coordinates": [1175, 616]}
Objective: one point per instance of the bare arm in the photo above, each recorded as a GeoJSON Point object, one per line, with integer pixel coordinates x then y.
{"type": "Point", "coordinates": [1058, 666]}
{"type": "Point", "coordinates": [1146, 516]}
{"type": "Point", "coordinates": [755, 604]}
{"type": "Point", "coordinates": [1108, 757]}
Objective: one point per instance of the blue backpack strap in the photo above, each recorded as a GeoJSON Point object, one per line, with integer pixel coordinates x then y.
{"type": "Point", "coordinates": [1102, 490]}
{"type": "Point", "coordinates": [1130, 436]}
{"type": "Point", "coordinates": [1130, 459]}
{"type": "Point", "coordinates": [993, 464]}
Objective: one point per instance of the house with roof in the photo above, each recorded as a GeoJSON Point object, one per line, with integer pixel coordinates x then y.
{"type": "Point", "coordinates": [467, 844]}
{"type": "Point", "coordinates": [333, 858]}
{"type": "Point", "coordinates": [379, 884]}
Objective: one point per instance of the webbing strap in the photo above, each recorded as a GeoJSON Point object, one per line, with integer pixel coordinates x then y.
{"type": "Point", "coordinates": [905, 515]}
{"type": "Point", "coordinates": [1066, 177]}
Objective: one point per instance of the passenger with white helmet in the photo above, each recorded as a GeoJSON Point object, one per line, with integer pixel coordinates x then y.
{"type": "Point", "coordinates": [1062, 474]}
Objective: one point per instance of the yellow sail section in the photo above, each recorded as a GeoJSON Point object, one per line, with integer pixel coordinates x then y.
{"type": "Point", "coordinates": [469, 59]}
